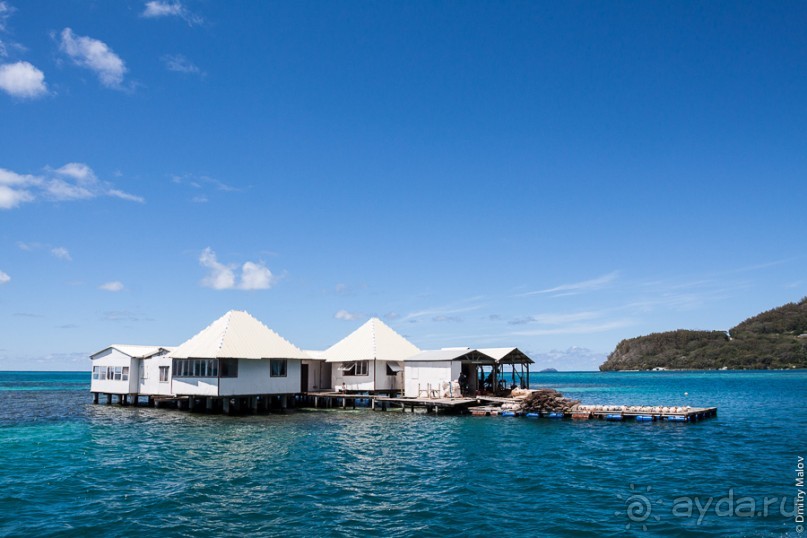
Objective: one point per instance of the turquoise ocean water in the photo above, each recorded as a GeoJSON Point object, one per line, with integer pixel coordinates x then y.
{"type": "Point", "coordinates": [70, 468]}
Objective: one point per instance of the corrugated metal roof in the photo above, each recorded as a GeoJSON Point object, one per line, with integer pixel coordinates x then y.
{"type": "Point", "coordinates": [455, 354]}
{"type": "Point", "coordinates": [373, 340]}
{"type": "Point", "coordinates": [237, 335]}
{"type": "Point", "coordinates": [507, 355]}
{"type": "Point", "coordinates": [135, 351]}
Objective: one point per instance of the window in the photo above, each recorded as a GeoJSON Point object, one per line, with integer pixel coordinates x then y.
{"type": "Point", "coordinates": [163, 374]}
{"type": "Point", "coordinates": [355, 368]}
{"type": "Point", "coordinates": [102, 372]}
{"type": "Point", "coordinates": [393, 368]}
{"type": "Point", "coordinates": [95, 370]}
{"type": "Point", "coordinates": [229, 367]}
{"type": "Point", "coordinates": [125, 374]}
{"type": "Point", "coordinates": [115, 373]}
{"type": "Point", "coordinates": [277, 367]}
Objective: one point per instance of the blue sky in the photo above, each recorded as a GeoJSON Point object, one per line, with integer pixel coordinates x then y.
{"type": "Point", "coordinates": [554, 176]}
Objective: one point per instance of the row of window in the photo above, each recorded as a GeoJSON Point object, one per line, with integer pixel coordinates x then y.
{"type": "Point", "coordinates": [225, 368]}
{"type": "Point", "coordinates": [205, 367]}
{"type": "Point", "coordinates": [111, 373]}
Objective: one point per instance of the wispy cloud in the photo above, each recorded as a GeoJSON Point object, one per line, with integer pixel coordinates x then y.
{"type": "Point", "coordinates": [73, 181]}
{"type": "Point", "coordinates": [113, 286]}
{"type": "Point", "coordinates": [203, 184]}
{"type": "Point", "coordinates": [344, 315]}
{"type": "Point", "coordinates": [254, 275]}
{"type": "Point", "coordinates": [96, 56]}
{"type": "Point", "coordinates": [115, 193]}
{"type": "Point", "coordinates": [124, 315]}
{"type": "Point", "coordinates": [156, 9]}
{"type": "Point", "coordinates": [442, 313]}
{"type": "Point", "coordinates": [178, 63]}
{"type": "Point", "coordinates": [555, 319]}
{"type": "Point", "coordinates": [4, 278]}
{"type": "Point", "coordinates": [578, 328]}
{"type": "Point", "coordinates": [22, 80]}
{"type": "Point", "coordinates": [577, 287]}
{"type": "Point", "coordinates": [6, 11]}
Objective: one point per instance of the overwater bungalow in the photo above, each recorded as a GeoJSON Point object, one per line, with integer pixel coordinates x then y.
{"type": "Point", "coordinates": [370, 359]}
{"type": "Point", "coordinates": [237, 355]}
{"type": "Point", "coordinates": [129, 370]}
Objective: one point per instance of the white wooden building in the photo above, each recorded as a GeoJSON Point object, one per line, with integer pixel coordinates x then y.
{"type": "Point", "coordinates": [370, 359]}
{"type": "Point", "coordinates": [237, 355]}
{"type": "Point", "coordinates": [444, 373]}
{"type": "Point", "coordinates": [316, 372]}
{"type": "Point", "coordinates": [130, 370]}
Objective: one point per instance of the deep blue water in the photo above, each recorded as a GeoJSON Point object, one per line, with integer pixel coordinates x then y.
{"type": "Point", "coordinates": [70, 468]}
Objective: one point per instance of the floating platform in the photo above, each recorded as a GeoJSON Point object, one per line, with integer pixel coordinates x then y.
{"type": "Point", "coordinates": [609, 413]}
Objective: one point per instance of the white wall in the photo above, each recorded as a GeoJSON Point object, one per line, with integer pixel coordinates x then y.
{"type": "Point", "coordinates": [253, 378]}
{"type": "Point", "coordinates": [149, 382]}
{"type": "Point", "coordinates": [113, 357]}
{"type": "Point", "coordinates": [195, 386]}
{"type": "Point", "coordinates": [421, 375]}
{"type": "Point", "coordinates": [319, 375]}
{"type": "Point", "coordinates": [382, 381]}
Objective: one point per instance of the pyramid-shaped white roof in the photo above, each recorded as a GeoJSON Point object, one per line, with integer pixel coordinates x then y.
{"type": "Point", "coordinates": [375, 340]}
{"type": "Point", "coordinates": [237, 335]}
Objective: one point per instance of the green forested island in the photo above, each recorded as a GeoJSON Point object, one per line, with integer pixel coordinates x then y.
{"type": "Point", "coordinates": [776, 339]}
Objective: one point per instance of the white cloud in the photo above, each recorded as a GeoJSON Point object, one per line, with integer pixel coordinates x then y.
{"type": "Point", "coordinates": [23, 80]}
{"type": "Point", "coordinates": [78, 171]}
{"type": "Point", "coordinates": [11, 198]}
{"type": "Point", "coordinates": [180, 64]}
{"type": "Point", "coordinates": [578, 287]}
{"type": "Point", "coordinates": [347, 316]}
{"type": "Point", "coordinates": [221, 277]}
{"type": "Point", "coordinates": [94, 55]}
{"type": "Point", "coordinates": [61, 253]}
{"type": "Point", "coordinates": [73, 181]}
{"type": "Point", "coordinates": [113, 286]}
{"type": "Point", "coordinates": [156, 9]}
{"type": "Point", "coordinates": [254, 275]}
{"type": "Point", "coordinates": [4, 278]}
{"type": "Point", "coordinates": [61, 190]}
{"type": "Point", "coordinates": [14, 188]}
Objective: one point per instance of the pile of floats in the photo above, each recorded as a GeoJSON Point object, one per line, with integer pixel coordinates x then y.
{"type": "Point", "coordinates": [548, 403]}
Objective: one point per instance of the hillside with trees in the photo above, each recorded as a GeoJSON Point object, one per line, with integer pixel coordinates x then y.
{"type": "Point", "coordinates": [776, 339]}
